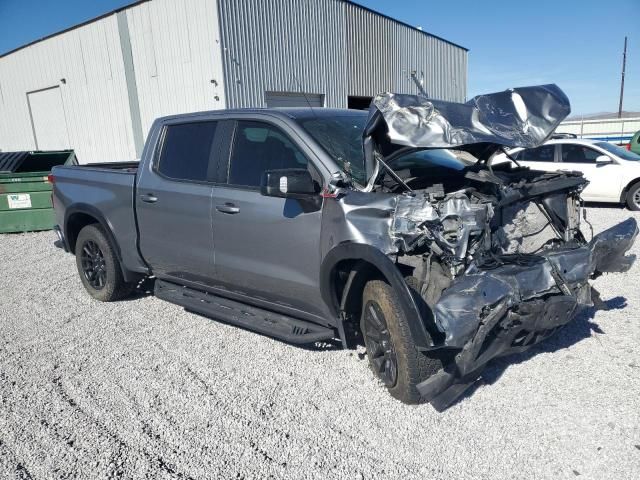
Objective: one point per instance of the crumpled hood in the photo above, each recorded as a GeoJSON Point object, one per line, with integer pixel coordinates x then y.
{"type": "Point", "coordinates": [518, 117]}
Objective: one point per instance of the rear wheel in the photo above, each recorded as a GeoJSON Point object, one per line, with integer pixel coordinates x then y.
{"type": "Point", "coordinates": [633, 197]}
{"type": "Point", "coordinates": [392, 353]}
{"type": "Point", "coordinates": [98, 265]}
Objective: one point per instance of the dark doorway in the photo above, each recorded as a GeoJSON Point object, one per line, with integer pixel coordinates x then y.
{"type": "Point", "coordinates": [358, 103]}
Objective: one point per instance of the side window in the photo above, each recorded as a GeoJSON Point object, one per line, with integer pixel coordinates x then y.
{"type": "Point", "coordinates": [578, 154]}
{"type": "Point", "coordinates": [544, 153]}
{"type": "Point", "coordinates": [258, 147]}
{"type": "Point", "coordinates": [186, 150]}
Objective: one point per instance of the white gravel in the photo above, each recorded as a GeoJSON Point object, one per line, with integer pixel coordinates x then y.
{"type": "Point", "coordinates": [143, 389]}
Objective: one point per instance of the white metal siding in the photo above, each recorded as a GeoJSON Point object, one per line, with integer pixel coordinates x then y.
{"type": "Point", "coordinates": [93, 92]}
{"type": "Point", "coordinates": [176, 53]}
{"type": "Point", "coordinates": [48, 119]}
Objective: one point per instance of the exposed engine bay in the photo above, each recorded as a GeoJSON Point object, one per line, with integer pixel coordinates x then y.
{"type": "Point", "coordinates": [498, 254]}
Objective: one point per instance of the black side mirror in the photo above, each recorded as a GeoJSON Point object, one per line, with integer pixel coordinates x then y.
{"type": "Point", "coordinates": [288, 183]}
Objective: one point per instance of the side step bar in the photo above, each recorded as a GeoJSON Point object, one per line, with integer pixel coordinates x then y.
{"type": "Point", "coordinates": [257, 319]}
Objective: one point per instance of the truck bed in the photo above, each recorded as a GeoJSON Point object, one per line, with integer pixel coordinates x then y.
{"type": "Point", "coordinates": [130, 167]}
{"type": "Point", "coordinates": [108, 189]}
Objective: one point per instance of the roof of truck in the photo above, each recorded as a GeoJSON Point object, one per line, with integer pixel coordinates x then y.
{"type": "Point", "coordinates": [297, 113]}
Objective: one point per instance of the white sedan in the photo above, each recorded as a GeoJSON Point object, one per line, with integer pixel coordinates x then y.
{"type": "Point", "coordinates": [612, 171]}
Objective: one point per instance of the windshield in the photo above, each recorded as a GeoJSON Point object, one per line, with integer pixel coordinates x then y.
{"type": "Point", "coordinates": [619, 151]}
{"type": "Point", "coordinates": [434, 158]}
{"type": "Point", "coordinates": [341, 137]}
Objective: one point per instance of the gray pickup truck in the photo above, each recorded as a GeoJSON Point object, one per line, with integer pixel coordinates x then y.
{"type": "Point", "coordinates": [390, 227]}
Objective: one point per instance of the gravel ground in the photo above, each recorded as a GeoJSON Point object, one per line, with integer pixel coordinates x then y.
{"type": "Point", "coordinates": [143, 389]}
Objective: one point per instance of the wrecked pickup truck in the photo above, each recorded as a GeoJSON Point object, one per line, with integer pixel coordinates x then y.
{"type": "Point", "coordinates": [391, 227]}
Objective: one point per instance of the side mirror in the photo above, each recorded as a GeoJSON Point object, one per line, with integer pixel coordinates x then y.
{"type": "Point", "coordinates": [603, 160]}
{"type": "Point", "coordinates": [288, 183]}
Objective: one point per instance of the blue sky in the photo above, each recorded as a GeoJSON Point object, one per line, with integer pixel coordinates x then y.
{"type": "Point", "coordinates": [576, 44]}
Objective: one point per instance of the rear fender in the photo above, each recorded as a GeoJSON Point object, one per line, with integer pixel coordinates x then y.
{"type": "Point", "coordinates": [93, 212]}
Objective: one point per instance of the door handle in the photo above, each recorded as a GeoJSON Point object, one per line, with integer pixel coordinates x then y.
{"type": "Point", "coordinates": [148, 198]}
{"type": "Point", "coordinates": [228, 208]}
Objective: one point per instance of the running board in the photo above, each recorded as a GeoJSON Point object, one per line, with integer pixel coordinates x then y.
{"type": "Point", "coordinates": [252, 318]}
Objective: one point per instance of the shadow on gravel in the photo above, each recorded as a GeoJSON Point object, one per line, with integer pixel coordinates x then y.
{"type": "Point", "coordinates": [143, 289]}
{"type": "Point", "coordinates": [575, 331]}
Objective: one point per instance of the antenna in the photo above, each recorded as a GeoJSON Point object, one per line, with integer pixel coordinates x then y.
{"type": "Point", "coordinates": [624, 63]}
{"type": "Point", "coordinates": [304, 95]}
{"type": "Point", "coordinates": [345, 164]}
{"type": "Point", "coordinates": [419, 83]}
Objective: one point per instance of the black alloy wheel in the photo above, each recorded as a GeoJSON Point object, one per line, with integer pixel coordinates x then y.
{"type": "Point", "coordinates": [379, 345]}
{"type": "Point", "coordinates": [93, 265]}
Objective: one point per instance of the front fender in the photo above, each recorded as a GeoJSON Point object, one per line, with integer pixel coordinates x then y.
{"type": "Point", "coordinates": [423, 328]}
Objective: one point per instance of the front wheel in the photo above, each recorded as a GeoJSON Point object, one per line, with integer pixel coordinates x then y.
{"type": "Point", "coordinates": [633, 197]}
{"type": "Point", "coordinates": [98, 265]}
{"type": "Point", "coordinates": [392, 353]}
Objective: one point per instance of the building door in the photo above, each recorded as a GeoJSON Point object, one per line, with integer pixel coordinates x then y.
{"type": "Point", "coordinates": [293, 99]}
{"type": "Point", "coordinates": [48, 120]}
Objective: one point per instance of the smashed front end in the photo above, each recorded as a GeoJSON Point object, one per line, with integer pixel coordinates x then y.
{"type": "Point", "coordinates": [501, 267]}
{"type": "Point", "coordinates": [497, 253]}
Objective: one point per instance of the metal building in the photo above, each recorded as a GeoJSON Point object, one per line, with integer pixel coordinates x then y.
{"type": "Point", "coordinates": [98, 86]}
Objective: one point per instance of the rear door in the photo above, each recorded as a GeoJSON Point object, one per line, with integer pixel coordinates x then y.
{"type": "Point", "coordinates": [604, 179]}
{"type": "Point", "coordinates": [267, 248]}
{"type": "Point", "coordinates": [540, 158]}
{"type": "Point", "coordinates": [174, 201]}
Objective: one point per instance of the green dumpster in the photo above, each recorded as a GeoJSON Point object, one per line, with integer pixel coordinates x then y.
{"type": "Point", "coordinates": [25, 192]}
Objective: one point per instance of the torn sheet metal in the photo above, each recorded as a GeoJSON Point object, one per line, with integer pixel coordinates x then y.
{"type": "Point", "coordinates": [521, 278]}
{"type": "Point", "coordinates": [452, 223]}
{"type": "Point", "coordinates": [494, 311]}
{"type": "Point", "coordinates": [518, 117]}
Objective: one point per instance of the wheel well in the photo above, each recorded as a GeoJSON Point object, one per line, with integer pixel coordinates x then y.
{"type": "Point", "coordinates": [625, 190]}
{"type": "Point", "coordinates": [349, 279]}
{"type": "Point", "coordinates": [75, 223]}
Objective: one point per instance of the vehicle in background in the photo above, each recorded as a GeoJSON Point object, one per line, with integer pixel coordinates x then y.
{"type": "Point", "coordinates": [613, 172]}
{"type": "Point", "coordinates": [634, 143]}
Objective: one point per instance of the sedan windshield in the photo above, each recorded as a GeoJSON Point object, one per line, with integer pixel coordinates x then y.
{"type": "Point", "coordinates": [619, 151]}
{"type": "Point", "coordinates": [434, 158]}
{"type": "Point", "coordinates": [341, 138]}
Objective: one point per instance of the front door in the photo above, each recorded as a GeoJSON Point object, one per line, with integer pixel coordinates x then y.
{"type": "Point", "coordinates": [174, 201]}
{"type": "Point", "coordinates": [267, 248]}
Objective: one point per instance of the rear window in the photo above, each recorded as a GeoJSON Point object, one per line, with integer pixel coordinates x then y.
{"type": "Point", "coordinates": [434, 158]}
{"type": "Point", "coordinates": [186, 150]}
{"type": "Point", "coordinates": [544, 153]}
{"type": "Point", "coordinates": [619, 151]}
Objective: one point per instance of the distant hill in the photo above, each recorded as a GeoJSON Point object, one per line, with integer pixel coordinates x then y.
{"type": "Point", "coordinates": [604, 116]}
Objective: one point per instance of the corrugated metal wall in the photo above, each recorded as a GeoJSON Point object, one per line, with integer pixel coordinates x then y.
{"type": "Point", "coordinates": [283, 46]}
{"type": "Point", "coordinates": [93, 92]}
{"type": "Point", "coordinates": [382, 54]}
{"type": "Point", "coordinates": [176, 53]}
{"type": "Point", "coordinates": [330, 47]}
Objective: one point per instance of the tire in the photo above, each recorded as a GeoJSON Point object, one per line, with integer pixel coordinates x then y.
{"type": "Point", "coordinates": [633, 197]}
{"type": "Point", "coordinates": [380, 305]}
{"type": "Point", "coordinates": [98, 266]}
